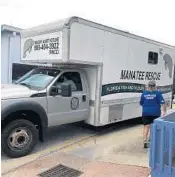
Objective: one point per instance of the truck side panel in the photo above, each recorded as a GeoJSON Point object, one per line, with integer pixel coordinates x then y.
{"type": "Point", "coordinates": [86, 44]}
{"type": "Point", "coordinates": [92, 73]}
{"type": "Point", "coordinates": [121, 55]}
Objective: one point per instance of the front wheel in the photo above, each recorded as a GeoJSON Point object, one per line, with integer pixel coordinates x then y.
{"type": "Point", "coordinates": [19, 138]}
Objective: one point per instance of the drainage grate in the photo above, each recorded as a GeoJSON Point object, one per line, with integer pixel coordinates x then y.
{"type": "Point", "coordinates": [61, 171]}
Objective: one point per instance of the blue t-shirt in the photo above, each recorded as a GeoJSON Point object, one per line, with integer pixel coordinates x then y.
{"type": "Point", "coordinates": [151, 102]}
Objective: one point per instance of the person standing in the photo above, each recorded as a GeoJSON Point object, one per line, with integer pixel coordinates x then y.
{"type": "Point", "coordinates": [151, 102]}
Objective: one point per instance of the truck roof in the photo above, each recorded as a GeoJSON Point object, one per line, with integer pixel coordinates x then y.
{"type": "Point", "coordinates": [59, 25]}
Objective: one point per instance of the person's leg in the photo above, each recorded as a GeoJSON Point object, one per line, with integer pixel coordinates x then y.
{"type": "Point", "coordinates": [146, 132]}
{"type": "Point", "coordinates": [146, 128]}
{"type": "Point", "coordinates": [151, 121]}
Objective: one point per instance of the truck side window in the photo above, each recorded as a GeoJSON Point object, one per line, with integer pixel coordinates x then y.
{"type": "Point", "coordinates": [72, 78]}
{"type": "Point", "coordinates": [153, 58]}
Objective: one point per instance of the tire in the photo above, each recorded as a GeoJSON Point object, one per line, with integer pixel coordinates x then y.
{"type": "Point", "coordinates": [19, 138]}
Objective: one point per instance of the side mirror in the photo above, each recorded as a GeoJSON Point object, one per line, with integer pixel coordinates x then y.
{"type": "Point", "coordinates": [54, 91]}
{"type": "Point", "coordinates": [66, 90]}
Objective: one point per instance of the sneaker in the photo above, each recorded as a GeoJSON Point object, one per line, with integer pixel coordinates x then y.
{"type": "Point", "coordinates": [145, 144]}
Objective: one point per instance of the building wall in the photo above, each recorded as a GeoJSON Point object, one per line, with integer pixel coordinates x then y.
{"type": "Point", "coordinates": [10, 53]}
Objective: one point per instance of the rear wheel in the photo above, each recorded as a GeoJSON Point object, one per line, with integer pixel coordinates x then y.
{"type": "Point", "coordinates": [19, 138]}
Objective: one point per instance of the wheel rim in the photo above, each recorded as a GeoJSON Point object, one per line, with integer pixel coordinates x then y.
{"type": "Point", "coordinates": [19, 138]}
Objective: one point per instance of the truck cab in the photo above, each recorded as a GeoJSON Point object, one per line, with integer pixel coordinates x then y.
{"type": "Point", "coordinates": [44, 97]}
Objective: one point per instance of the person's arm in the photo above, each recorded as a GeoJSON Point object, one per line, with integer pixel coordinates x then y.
{"type": "Point", "coordinates": [162, 102]}
{"type": "Point", "coordinates": [164, 109]}
{"type": "Point", "coordinates": [142, 100]}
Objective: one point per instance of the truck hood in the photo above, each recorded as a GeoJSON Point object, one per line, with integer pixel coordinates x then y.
{"type": "Point", "coordinates": [12, 91]}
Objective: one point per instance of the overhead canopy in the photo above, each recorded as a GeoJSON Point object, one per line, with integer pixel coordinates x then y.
{"type": "Point", "coordinates": [10, 29]}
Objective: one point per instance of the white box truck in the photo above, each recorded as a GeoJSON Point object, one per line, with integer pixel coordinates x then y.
{"type": "Point", "coordinates": [96, 74]}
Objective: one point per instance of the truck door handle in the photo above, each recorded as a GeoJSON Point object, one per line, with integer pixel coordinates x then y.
{"type": "Point", "coordinates": [84, 98]}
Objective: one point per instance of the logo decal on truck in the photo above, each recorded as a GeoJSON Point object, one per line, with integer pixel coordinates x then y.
{"type": "Point", "coordinates": [168, 64]}
{"type": "Point", "coordinates": [147, 75]}
{"type": "Point", "coordinates": [74, 103]}
{"type": "Point", "coordinates": [125, 87]}
{"type": "Point", "coordinates": [27, 47]}
{"type": "Point", "coordinates": [139, 75]}
{"type": "Point", "coordinates": [50, 46]}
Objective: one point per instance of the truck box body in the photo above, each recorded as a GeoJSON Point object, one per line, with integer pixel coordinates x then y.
{"type": "Point", "coordinates": [118, 64]}
{"type": "Point", "coordinates": [90, 72]}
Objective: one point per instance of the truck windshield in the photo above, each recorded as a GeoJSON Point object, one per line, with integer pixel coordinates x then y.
{"type": "Point", "coordinates": [38, 78]}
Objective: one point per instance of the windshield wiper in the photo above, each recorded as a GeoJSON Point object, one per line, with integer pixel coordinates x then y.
{"type": "Point", "coordinates": [27, 85]}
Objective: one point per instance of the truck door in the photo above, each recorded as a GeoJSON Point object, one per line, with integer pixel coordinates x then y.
{"type": "Point", "coordinates": [63, 110]}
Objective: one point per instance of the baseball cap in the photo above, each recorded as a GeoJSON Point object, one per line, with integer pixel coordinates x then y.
{"type": "Point", "coordinates": [151, 84]}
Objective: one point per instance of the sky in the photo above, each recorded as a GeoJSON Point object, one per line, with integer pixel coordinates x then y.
{"type": "Point", "coordinates": [154, 19]}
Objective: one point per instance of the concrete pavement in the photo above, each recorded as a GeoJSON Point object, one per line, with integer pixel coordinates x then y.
{"type": "Point", "coordinates": [58, 138]}
{"type": "Point", "coordinates": [116, 152]}
{"type": "Point", "coordinates": [88, 168]}
{"type": "Point", "coordinates": [117, 146]}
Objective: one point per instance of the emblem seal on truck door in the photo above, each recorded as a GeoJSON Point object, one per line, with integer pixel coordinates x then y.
{"type": "Point", "coordinates": [74, 103]}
